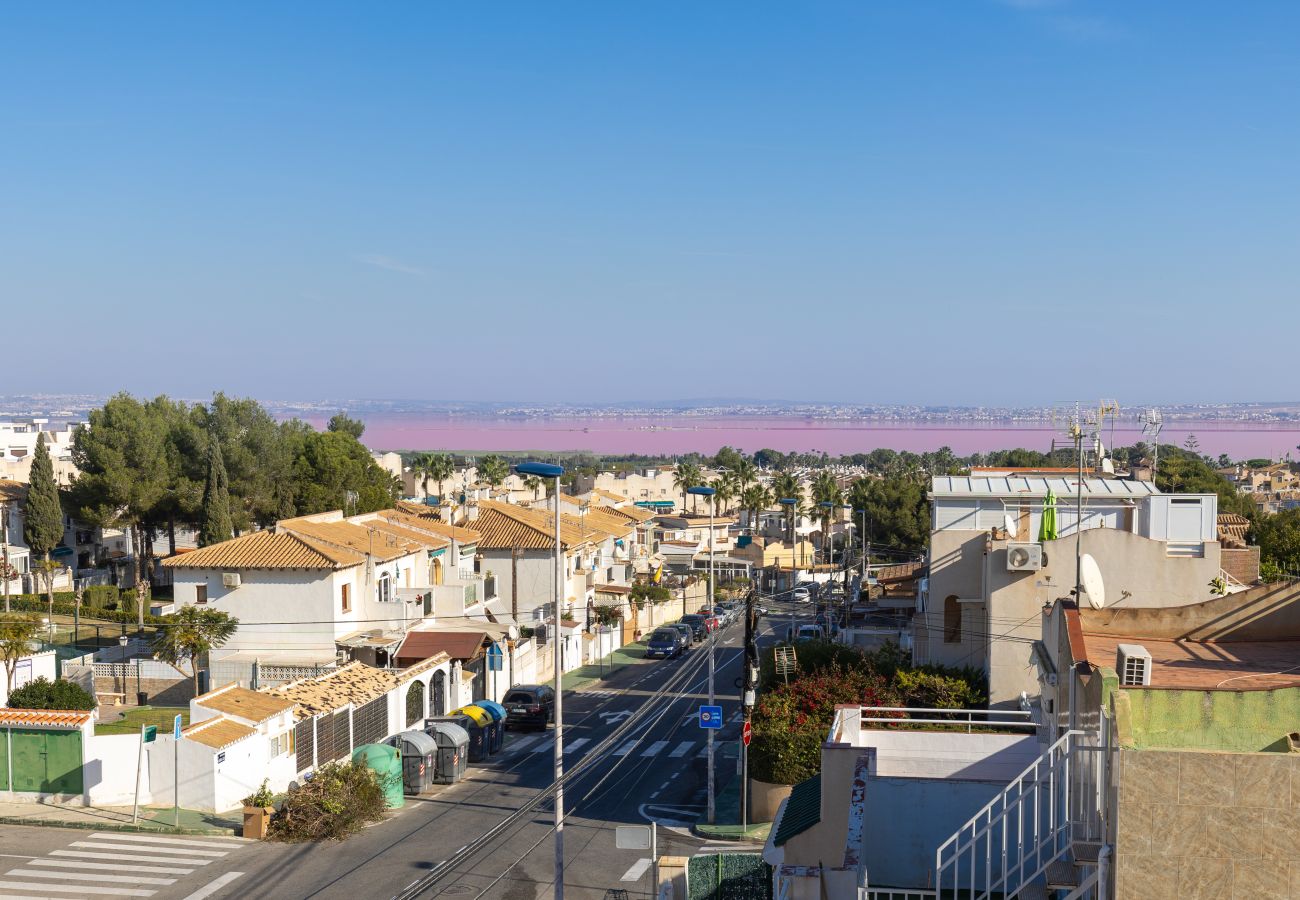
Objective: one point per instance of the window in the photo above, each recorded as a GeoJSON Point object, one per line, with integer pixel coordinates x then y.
{"type": "Point", "coordinates": [347, 598]}
{"type": "Point", "coordinates": [201, 594]}
{"type": "Point", "coordinates": [385, 588]}
{"type": "Point", "coordinates": [279, 744]}
{"type": "Point", "coordinates": [951, 620]}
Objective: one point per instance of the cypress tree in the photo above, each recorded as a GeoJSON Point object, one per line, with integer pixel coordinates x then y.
{"type": "Point", "coordinates": [43, 515]}
{"type": "Point", "coordinates": [216, 525]}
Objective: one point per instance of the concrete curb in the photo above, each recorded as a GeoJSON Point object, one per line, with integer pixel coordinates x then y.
{"type": "Point", "coordinates": [143, 827]}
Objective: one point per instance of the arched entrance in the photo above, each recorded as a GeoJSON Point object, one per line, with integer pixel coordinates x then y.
{"type": "Point", "coordinates": [415, 703]}
{"type": "Point", "coordinates": [438, 688]}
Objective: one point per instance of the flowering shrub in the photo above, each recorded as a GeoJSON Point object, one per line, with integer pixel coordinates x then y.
{"type": "Point", "coordinates": [791, 721]}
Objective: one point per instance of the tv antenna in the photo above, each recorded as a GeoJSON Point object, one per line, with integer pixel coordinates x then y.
{"type": "Point", "coordinates": [1152, 422]}
{"type": "Point", "coordinates": [1077, 420]}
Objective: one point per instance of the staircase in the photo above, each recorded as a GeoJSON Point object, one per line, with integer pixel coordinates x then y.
{"type": "Point", "coordinates": [1039, 838]}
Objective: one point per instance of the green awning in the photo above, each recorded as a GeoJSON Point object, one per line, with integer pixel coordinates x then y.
{"type": "Point", "coordinates": [802, 811]}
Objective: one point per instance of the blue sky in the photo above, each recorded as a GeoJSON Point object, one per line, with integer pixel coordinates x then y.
{"type": "Point", "coordinates": [967, 201]}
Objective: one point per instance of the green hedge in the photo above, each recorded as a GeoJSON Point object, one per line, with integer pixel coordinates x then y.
{"type": "Point", "coordinates": [65, 605]}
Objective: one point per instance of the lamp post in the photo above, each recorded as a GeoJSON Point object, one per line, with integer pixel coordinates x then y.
{"type": "Point", "coordinates": [709, 492]}
{"type": "Point", "coordinates": [790, 503]}
{"type": "Point", "coordinates": [547, 470]}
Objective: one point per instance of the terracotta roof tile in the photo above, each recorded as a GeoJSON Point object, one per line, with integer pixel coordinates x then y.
{"type": "Point", "coordinates": [266, 550]}
{"type": "Point", "coordinates": [455, 644]}
{"type": "Point", "coordinates": [253, 706]}
{"type": "Point", "coordinates": [354, 683]}
{"type": "Point", "coordinates": [608, 495]}
{"type": "Point", "coordinates": [413, 515]}
{"type": "Point", "coordinates": [504, 525]}
{"type": "Point", "coordinates": [349, 536]}
{"type": "Point", "coordinates": [69, 718]}
{"type": "Point", "coordinates": [217, 733]}
{"type": "Point", "coordinates": [12, 490]}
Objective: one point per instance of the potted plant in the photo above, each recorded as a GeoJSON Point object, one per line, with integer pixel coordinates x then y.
{"type": "Point", "coordinates": [257, 812]}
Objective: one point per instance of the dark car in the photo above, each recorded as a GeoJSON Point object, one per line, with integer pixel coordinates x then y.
{"type": "Point", "coordinates": [687, 634]}
{"type": "Point", "coordinates": [529, 706]}
{"type": "Point", "coordinates": [697, 626]}
{"type": "Point", "coordinates": [665, 643]}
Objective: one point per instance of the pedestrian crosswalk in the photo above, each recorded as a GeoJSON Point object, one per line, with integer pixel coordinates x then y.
{"type": "Point", "coordinates": [107, 864]}
{"type": "Point", "coordinates": [539, 745]}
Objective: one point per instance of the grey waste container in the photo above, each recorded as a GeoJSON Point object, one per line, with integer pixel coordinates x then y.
{"type": "Point", "coordinates": [419, 759]}
{"type": "Point", "coordinates": [453, 751]}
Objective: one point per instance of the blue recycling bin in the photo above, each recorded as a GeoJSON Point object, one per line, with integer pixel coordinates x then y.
{"type": "Point", "coordinates": [497, 733]}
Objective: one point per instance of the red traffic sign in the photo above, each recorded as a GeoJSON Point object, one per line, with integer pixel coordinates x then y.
{"type": "Point", "coordinates": [746, 734]}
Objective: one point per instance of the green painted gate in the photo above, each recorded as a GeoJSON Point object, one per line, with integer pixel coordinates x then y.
{"type": "Point", "coordinates": [47, 762]}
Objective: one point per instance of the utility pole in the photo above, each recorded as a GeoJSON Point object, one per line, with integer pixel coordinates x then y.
{"type": "Point", "coordinates": [4, 542]}
{"type": "Point", "coordinates": [713, 640]}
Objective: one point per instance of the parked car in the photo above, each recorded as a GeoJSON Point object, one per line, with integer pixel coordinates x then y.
{"type": "Point", "coordinates": [687, 634]}
{"type": "Point", "coordinates": [726, 615]}
{"type": "Point", "coordinates": [760, 610]}
{"type": "Point", "coordinates": [697, 625]}
{"type": "Point", "coordinates": [810, 633]}
{"type": "Point", "coordinates": [712, 621]}
{"type": "Point", "coordinates": [665, 643]}
{"type": "Point", "coordinates": [529, 706]}
{"type": "Point", "coordinates": [828, 624]}
{"type": "Point", "coordinates": [800, 595]}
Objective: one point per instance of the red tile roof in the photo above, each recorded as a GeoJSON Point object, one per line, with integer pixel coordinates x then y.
{"type": "Point", "coordinates": [456, 644]}
{"type": "Point", "coordinates": [1206, 665]}
{"type": "Point", "coordinates": [62, 718]}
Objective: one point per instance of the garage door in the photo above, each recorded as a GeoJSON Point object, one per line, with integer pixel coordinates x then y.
{"type": "Point", "coordinates": [47, 762]}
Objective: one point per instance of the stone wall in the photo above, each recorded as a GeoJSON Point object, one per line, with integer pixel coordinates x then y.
{"type": "Point", "coordinates": [1194, 824]}
{"type": "Point", "coordinates": [161, 691]}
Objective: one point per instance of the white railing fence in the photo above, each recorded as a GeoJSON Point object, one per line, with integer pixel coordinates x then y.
{"type": "Point", "coordinates": [1011, 841]}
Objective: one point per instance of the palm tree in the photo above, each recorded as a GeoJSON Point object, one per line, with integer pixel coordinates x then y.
{"type": "Point", "coordinates": [755, 499]}
{"type": "Point", "coordinates": [826, 494]}
{"type": "Point", "coordinates": [724, 489]}
{"type": "Point", "coordinates": [439, 467]}
{"type": "Point", "coordinates": [785, 486]}
{"type": "Point", "coordinates": [533, 483]}
{"type": "Point", "coordinates": [192, 632]}
{"type": "Point", "coordinates": [493, 469]}
{"type": "Point", "coordinates": [745, 473]}
{"type": "Point", "coordinates": [688, 475]}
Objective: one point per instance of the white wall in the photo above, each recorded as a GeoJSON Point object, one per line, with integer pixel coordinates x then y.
{"type": "Point", "coordinates": [29, 668]}
{"type": "Point", "coordinates": [110, 770]}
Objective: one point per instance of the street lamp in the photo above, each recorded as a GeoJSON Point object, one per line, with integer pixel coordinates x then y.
{"type": "Point", "coordinates": [790, 503]}
{"type": "Point", "coordinates": [547, 470]}
{"type": "Point", "coordinates": [702, 491]}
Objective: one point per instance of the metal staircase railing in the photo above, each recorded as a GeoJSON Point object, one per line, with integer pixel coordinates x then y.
{"type": "Point", "coordinates": [1009, 844]}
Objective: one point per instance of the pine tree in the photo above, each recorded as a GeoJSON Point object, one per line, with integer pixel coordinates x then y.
{"type": "Point", "coordinates": [43, 515]}
{"type": "Point", "coordinates": [216, 525]}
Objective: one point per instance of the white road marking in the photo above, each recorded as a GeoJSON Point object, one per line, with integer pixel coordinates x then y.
{"type": "Point", "coordinates": [94, 845]}
{"type": "Point", "coordinates": [75, 889]}
{"type": "Point", "coordinates": [521, 744]}
{"type": "Point", "coordinates": [704, 752]}
{"type": "Point", "coordinates": [110, 867]}
{"type": "Point", "coordinates": [654, 749]}
{"type": "Point", "coordinates": [681, 749]}
{"type": "Point", "coordinates": [574, 745]}
{"type": "Point", "coordinates": [184, 842]}
{"type": "Point", "coordinates": [737, 717]}
{"type": "Point", "coordinates": [638, 869]}
{"type": "Point", "coordinates": [626, 748]}
{"type": "Point", "coordinates": [89, 876]}
{"type": "Point", "coordinates": [133, 857]}
{"type": "Point", "coordinates": [546, 747]}
{"type": "Point", "coordinates": [213, 886]}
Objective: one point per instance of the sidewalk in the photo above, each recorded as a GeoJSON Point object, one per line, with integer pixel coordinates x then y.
{"type": "Point", "coordinates": [588, 675]}
{"type": "Point", "coordinates": [118, 818]}
{"type": "Point", "coordinates": [726, 815]}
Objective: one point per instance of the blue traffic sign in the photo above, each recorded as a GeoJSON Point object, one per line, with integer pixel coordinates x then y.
{"type": "Point", "coordinates": [710, 716]}
{"type": "Point", "coordinates": [176, 728]}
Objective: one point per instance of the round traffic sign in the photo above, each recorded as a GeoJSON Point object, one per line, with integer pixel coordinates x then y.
{"type": "Point", "coordinates": [746, 734]}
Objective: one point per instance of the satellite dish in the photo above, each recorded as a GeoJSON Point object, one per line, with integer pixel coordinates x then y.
{"type": "Point", "coordinates": [1107, 466]}
{"type": "Point", "coordinates": [1090, 581]}
{"type": "Point", "coordinates": [512, 632]}
{"type": "Point", "coordinates": [1010, 524]}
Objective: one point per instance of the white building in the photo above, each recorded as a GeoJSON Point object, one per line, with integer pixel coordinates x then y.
{"type": "Point", "coordinates": [18, 438]}
{"type": "Point", "coordinates": [982, 601]}
{"type": "Point", "coordinates": [311, 584]}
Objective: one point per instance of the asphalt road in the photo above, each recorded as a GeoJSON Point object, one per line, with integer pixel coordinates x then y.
{"type": "Point", "coordinates": [657, 771]}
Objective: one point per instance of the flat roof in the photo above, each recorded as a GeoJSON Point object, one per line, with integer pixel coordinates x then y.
{"type": "Point", "coordinates": [1036, 486]}
{"type": "Point", "coordinates": [1206, 665]}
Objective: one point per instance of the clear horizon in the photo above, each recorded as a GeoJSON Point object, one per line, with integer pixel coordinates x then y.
{"type": "Point", "coordinates": [984, 203]}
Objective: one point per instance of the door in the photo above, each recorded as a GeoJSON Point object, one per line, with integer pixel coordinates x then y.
{"type": "Point", "coordinates": [47, 762]}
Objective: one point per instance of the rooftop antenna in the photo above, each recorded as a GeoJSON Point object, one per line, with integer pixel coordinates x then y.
{"type": "Point", "coordinates": [1076, 420]}
{"type": "Point", "coordinates": [1152, 422]}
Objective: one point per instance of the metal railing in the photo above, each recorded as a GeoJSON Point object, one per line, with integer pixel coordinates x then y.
{"type": "Point", "coordinates": [1014, 719]}
{"type": "Point", "coordinates": [1011, 841]}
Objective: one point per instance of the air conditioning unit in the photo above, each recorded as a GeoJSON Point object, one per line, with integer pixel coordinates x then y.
{"type": "Point", "coordinates": [1134, 665]}
{"type": "Point", "coordinates": [1024, 557]}
{"type": "Point", "coordinates": [230, 579]}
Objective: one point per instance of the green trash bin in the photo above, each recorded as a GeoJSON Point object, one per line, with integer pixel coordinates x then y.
{"type": "Point", "coordinates": [387, 763]}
